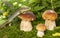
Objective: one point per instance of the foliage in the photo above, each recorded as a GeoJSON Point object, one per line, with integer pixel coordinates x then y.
{"type": "Point", "coordinates": [37, 7]}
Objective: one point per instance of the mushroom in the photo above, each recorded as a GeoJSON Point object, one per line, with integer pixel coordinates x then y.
{"type": "Point", "coordinates": [26, 17]}
{"type": "Point", "coordinates": [41, 28]}
{"type": "Point", "coordinates": [50, 16]}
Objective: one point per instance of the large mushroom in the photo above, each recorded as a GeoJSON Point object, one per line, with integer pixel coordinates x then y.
{"type": "Point", "coordinates": [41, 28]}
{"type": "Point", "coordinates": [50, 16]}
{"type": "Point", "coordinates": [26, 17]}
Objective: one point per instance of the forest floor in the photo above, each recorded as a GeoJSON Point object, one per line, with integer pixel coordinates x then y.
{"type": "Point", "coordinates": [13, 31]}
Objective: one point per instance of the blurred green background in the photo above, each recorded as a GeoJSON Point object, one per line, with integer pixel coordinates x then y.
{"type": "Point", "coordinates": [8, 7]}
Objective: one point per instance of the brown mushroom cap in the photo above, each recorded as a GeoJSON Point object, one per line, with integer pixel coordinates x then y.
{"type": "Point", "coordinates": [41, 27]}
{"type": "Point", "coordinates": [28, 16]}
{"type": "Point", "coordinates": [49, 14]}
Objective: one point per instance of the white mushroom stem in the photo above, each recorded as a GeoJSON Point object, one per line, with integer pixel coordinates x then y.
{"type": "Point", "coordinates": [50, 25]}
{"type": "Point", "coordinates": [40, 33]}
{"type": "Point", "coordinates": [25, 25]}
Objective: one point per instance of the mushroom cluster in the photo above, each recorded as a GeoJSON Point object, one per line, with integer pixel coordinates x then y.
{"type": "Point", "coordinates": [50, 16]}
{"type": "Point", "coordinates": [26, 17]}
{"type": "Point", "coordinates": [41, 28]}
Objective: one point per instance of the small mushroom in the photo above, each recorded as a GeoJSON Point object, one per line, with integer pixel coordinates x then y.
{"type": "Point", "coordinates": [49, 16]}
{"type": "Point", "coordinates": [41, 28]}
{"type": "Point", "coordinates": [26, 17]}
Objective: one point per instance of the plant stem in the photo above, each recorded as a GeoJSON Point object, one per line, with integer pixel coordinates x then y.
{"type": "Point", "coordinates": [52, 4]}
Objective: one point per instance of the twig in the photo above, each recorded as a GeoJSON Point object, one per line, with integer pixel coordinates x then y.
{"type": "Point", "coordinates": [21, 10]}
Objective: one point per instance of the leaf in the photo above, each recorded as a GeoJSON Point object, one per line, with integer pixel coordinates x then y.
{"type": "Point", "coordinates": [56, 34]}
{"type": "Point", "coordinates": [2, 21]}
{"type": "Point", "coordinates": [37, 8]}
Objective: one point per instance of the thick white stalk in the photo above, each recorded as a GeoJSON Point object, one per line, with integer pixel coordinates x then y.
{"type": "Point", "coordinates": [25, 25]}
{"type": "Point", "coordinates": [40, 33]}
{"type": "Point", "coordinates": [50, 25]}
